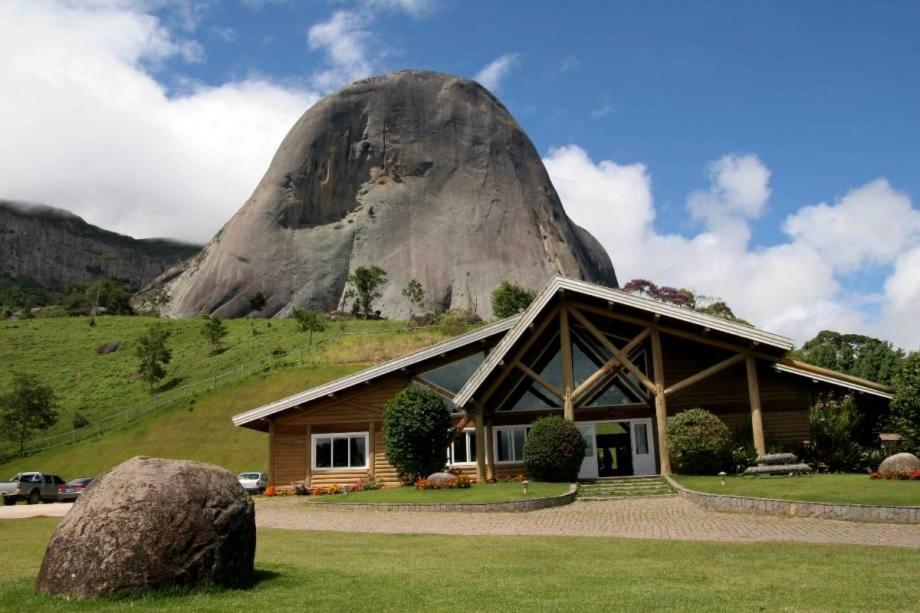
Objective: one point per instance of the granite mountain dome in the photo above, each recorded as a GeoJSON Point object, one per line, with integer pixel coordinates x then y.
{"type": "Point", "coordinates": [424, 174]}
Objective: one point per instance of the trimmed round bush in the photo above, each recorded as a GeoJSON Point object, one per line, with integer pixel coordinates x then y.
{"type": "Point", "coordinates": [699, 443]}
{"type": "Point", "coordinates": [416, 430]}
{"type": "Point", "coordinates": [554, 450]}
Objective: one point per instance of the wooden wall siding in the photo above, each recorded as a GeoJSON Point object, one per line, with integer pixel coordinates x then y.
{"type": "Point", "coordinates": [290, 447]}
{"type": "Point", "coordinates": [362, 404]}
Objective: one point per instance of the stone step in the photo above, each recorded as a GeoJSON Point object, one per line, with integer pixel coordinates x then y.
{"type": "Point", "coordinates": [612, 489]}
{"type": "Point", "coordinates": [602, 498]}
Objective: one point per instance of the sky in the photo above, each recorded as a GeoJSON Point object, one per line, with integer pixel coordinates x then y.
{"type": "Point", "coordinates": [764, 153]}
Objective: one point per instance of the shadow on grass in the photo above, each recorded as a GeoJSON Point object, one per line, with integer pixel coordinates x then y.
{"type": "Point", "coordinates": [218, 351]}
{"type": "Point", "coordinates": [168, 385]}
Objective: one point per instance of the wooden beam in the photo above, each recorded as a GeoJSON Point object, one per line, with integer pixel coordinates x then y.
{"type": "Point", "coordinates": [533, 375]}
{"type": "Point", "coordinates": [371, 452]}
{"type": "Point", "coordinates": [608, 366]}
{"type": "Point", "coordinates": [661, 405]}
{"type": "Point", "coordinates": [550, 317]}
{"type": "Point", "coordinates": [706, 340]}
{"type": "Point", "coordinates": [309, 468]}
{"type": "Point", "coordinates": [489, 450]}
{"type": "Point", "coordinates": [271, 451]}
{"type": "Point", "coordinates": [480, 449]}
{"type": "Point", "coordinates": [756, 414]}
{"type": "Point", "coordinates": [625, 361]}
{"type": "Point", "coordinates": [704, 374]}
{"type": "Point", "coordinates": [458, 429]}
{"type": "Point", "coordinates": [435, 388]}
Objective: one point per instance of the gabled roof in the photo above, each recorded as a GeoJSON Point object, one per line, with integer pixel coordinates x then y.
{"type": "Point", "coordinates": [816, 373]}
{"type": "Point", "coordinates": [339, 385]}
{"type": "Point", "coordinates": [614, 296]}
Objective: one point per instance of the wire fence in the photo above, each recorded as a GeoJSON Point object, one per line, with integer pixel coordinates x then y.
{"type": "Point", "coordinates": [304, 356]}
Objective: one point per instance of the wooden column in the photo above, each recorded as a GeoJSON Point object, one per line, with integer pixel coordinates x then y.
{"type": "Point", "coordinates": [371, 451]}
{"type": "Point", "coordinates": [271, 452]}
{"type": "Point", "coordinates": [480, 449]}
{"type": "Point", "coordinates": [309, 468]}
{"type": "Point", "coordinates": [487, 446]}
{"type": "Point", "coordinates": [756, 414]}
{"type": "Point", "coordinates": [568, 372]}
{"type": "Point", "coordinates": [661, 405]}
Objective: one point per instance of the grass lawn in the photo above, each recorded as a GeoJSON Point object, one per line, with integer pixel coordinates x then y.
{"type": "Point", "coordinates": [62, 352]}
{"type": "Point", "coordinates": [198, 429]}
{"type": "Point", "coordinates": [854, 489]}
{"type": "Point", "coordinates": [485, 492]}
{"type": "Point", "coordinates": [348, 572]}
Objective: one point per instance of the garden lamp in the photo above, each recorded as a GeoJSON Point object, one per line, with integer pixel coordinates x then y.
{"type": "Point", "coordinates": [525, 483]}
{"type": "Point", "coordinates": [722, 477]}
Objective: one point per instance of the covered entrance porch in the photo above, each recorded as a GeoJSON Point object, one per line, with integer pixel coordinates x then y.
{"type": "Point", "coordinates": [617, 448]}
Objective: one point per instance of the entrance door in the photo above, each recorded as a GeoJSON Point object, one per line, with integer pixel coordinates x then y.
{"type": "Point", "coordinates": [589, 464]}
{"type": "Point", "coordinates": [643, 457]}
{"type": "Point", "coordinates": [614, 449]}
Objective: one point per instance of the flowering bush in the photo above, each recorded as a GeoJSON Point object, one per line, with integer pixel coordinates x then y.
{"type": "Point", "coordinates": [324, 490]}
{"type": "Point", "coordinates": [269, 491]}
{"type": "Point", "coordinates": [365, 484]}
{"type": "Point", "coordinates": [554, 450]}
{"type": "Point", "coordinates": [893, 475]}
{"type": "Point", "coordinates": [460, 483]}
{"type": "Point", "coordinates": [507, 477]}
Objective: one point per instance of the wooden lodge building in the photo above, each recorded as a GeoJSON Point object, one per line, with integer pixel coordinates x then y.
{"type": "Point", "coordinates": [617, 364]}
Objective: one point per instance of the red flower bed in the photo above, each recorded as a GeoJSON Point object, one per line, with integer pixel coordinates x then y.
{"type": "Point", "coordinates": [893, 475]}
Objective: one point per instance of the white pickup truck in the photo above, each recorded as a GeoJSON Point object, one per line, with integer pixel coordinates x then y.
{"type": "Point", "coordinates": [31, 487]}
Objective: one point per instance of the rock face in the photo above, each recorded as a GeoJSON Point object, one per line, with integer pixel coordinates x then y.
{"type": "Point", "coordinates": [152, 523]}
{"type": "Point", "coordinates": [424, 174]}
{"type": "Point", "coordinates": [900, 463]}
{"type": "Point", "coordinates": [56, 248]}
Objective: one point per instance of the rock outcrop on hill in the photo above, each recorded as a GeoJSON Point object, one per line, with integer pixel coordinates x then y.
{"type": "Point", "coordinates": [423, 174]}
{"type": "Point", "coordinates": [56, 248]}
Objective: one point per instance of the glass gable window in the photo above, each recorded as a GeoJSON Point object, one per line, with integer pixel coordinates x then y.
{"type": "Point", "coordinates": [340, 451]}
{"type": "Point", "coordinates": [509, 443]}
{"type": "Point", "coordinates": [613, 394]}
{"type": "Point", "coordinates": [453, 376]}
{"type": "Point", "coordinates": [463, 449]}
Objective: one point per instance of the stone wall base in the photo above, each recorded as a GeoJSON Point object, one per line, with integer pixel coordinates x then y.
{"type": "Point", "coordinates": [794, 508]}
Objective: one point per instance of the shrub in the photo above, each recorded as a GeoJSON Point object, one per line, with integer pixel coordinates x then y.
{"type": "Point", "coordinates": [905, 406]}
{"type": "Point", "coordinates": [510, 299]}
{"type": "Point", "coordinates": [833, 421]}
{"type": "Point", "coordinates": [460, 483]}
{"type": "Point", "coordinates": [699, 443]}
{"type": "Point", "coordinates": [554, 450]}
{"type": "Point", "coordinates": [416, 431]}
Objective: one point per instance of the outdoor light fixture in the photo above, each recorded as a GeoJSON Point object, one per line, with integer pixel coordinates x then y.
{"type": "Point", "coordinates": [722, 477]}
{"type": "Point", "coordinates": [525, 483]}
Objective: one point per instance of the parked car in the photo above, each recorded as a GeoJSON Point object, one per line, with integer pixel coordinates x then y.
{"type": "Point", "coordinates": [31, 487]}
{"type": "Point", "coordinates": [254, 483]}
{"type": "Point", "coordinates": [70, 491]}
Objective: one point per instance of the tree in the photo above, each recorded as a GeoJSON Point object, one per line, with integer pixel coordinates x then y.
{"type": "Point", "coordinates": [832, 422]}
{"type": "Point", "coordinates": [510, 299]}
{"type": "Point", "coordinates": [905, 406]}
{"type": "Point", "coordinates": [309, 321]}
{"type": "Point", "coordinates": [365, 283]}
{"type": "Point", "coordinates": [111, 294]}
{"type": "Point", "coordinates": [416, 432]}
{"type": "Point", "coordinates": [257, 302]}
{"type": "Point", "coordinates": [29, 406]}
{"type": "Point", "coordinates": [153, 354]}
{"type": "Point", "coordinates": [414, 293]}
{"type": "Point", "coordinates": [853, 354]}
{"type": "Point", "coordinates": [683, 297]}
{"type": "Point", "coordinates": [214, 331]}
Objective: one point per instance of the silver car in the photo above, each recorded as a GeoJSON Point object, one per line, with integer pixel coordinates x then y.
{"type": "Point", "coordinates": [254, 483]}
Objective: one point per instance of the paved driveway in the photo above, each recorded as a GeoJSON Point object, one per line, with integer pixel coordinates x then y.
{"type": "Point", "coordinates": [656, 518]}
{"type": "Point", "coordinates": [21, 511]}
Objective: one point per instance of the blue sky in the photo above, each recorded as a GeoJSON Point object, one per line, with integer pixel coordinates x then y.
{"type": "Point", "coordinates": [768, 153]}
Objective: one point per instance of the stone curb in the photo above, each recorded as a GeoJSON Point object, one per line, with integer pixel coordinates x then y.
{"type": "Point", "coordinates": [466, 507]}
{"type": "Point", "coordinates": [797, 508]}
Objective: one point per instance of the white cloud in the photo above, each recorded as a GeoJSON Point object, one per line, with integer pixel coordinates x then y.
{"type": "Point", "coordinates": [871, 225]}
{"type": "Point", "coordinates": [225, 33]}
{"type": "Point", "coordinates": [569, 62]}
{"type": "Point", "coordinates": [492, 74]}
{"type": "Point", "coordinates": [89, 129]}
{"type": "Point", "coordinates": [794, 288]}
{"type": "Point", "coordinates": [348, 43]}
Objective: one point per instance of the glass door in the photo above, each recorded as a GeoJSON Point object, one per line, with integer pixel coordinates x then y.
{"type": "Point", "coordinates": [642, 456]}
{"type": "Point", "coordinates": [589, 464]}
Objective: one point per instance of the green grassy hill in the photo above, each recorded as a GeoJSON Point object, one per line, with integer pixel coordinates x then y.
{"type": "Point", "coordinates": [62, 352]}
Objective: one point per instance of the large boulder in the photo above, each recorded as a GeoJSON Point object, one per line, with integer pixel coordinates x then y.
{"type": "Point", "coordinates": [151, 523]}
{"type": "Point", "coordinates": [424, 174]}
{"type": "Point", "coordinates": [900, 463]}
{"type": "Point", "coordinates": [442, 479]}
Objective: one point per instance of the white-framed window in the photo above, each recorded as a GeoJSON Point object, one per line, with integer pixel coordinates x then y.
{"type": "Point", "coordinates": [509, 443]}
{"type": "Point", "coordinates": [339, 450]}
{"type": "Point", "coordinates": [463, 449]}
